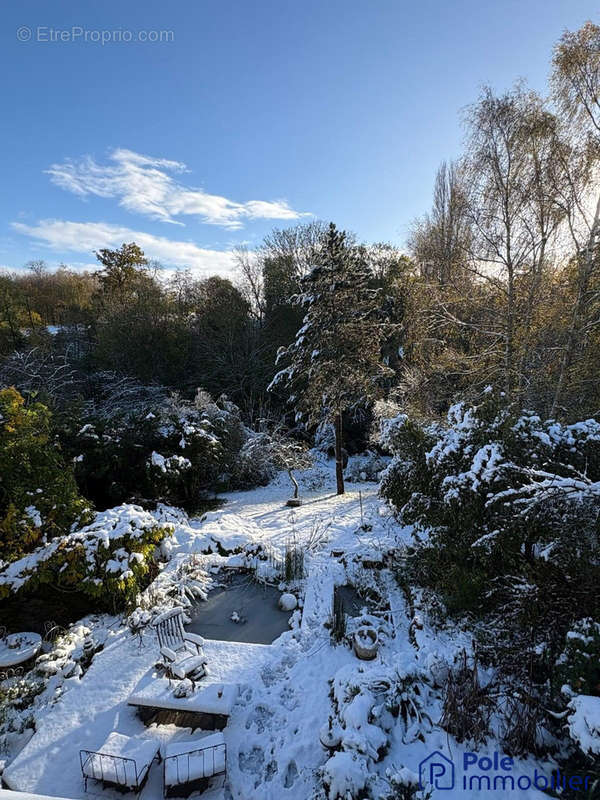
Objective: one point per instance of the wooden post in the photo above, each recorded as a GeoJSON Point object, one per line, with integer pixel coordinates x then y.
{"type": "Point", "coordinates": [339, 467]}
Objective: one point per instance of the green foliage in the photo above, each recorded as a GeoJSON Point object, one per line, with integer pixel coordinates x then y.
{"type": "Point", "coordinates": [122, 271]}
{"type": "Point", "coordinates": [39, 495]}
{"type": "Point", "coordinates": [15, 697]}
{"type": "Point", "coordinates": [505, 509]}
{"type": "Point", "coordinates": [578, 666]}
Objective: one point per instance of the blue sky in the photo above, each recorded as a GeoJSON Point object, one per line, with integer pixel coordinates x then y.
{"type": "Point", "coordinates": [249, 114]}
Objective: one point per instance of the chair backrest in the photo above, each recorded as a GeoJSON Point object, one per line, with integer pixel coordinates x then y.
{"type": "Point", "coordinates": [169, 627]}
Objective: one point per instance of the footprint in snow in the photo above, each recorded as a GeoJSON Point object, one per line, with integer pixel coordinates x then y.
{"type": "Point", "coordinates": [259, 717]}
{"type": "Point", "coordinates": [291, 773]}
{"type": "Point", "coordinates": [251, 761]}
{"type": "Point", "coordinates": [270, 771]}
{"type": "Point", "coordinates": [288, 698]}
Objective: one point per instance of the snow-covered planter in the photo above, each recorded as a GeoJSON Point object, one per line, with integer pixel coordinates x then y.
{"type": "Point", "coordinates": [330, 735]}
{"type": "Point", "coordinates": [365, 643]}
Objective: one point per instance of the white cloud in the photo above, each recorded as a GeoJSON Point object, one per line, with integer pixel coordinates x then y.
{"type": "Point", "coordinates": [86, 237]}
{"type": "Point", "coordinates": [146, 185]}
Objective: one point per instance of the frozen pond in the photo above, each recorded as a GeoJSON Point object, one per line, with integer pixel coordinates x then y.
{"type": "Point", "coordinates": [353, 603]}
{"type": "Point", "coordinates": [261, 621]}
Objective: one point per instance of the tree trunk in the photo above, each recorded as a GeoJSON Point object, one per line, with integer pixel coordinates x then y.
{"type": "Point", "coordinates": [339, 466]}
{"type": "Point", "coordinates": [295, 482]}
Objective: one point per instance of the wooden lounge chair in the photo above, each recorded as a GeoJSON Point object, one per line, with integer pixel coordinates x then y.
{"type": "Point", "coordinates": [181, 651]}
{"type": "Point", "coordinates": [121, 761]}
{"type": "Point", "coordinates": [188, 766]}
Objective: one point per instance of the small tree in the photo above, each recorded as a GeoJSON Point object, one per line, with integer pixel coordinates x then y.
{"type": "Point", "coordinates": [272, 451]}
{"type": "Point", "coordinates": [335, 360]}
{"type": "Point", "coordinates": [289, 454]}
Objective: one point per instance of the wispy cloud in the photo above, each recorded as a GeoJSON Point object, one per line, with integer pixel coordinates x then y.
{"type": "Point", "coordinates": [146, 186]}
{"type": "Point", "coordinates": [86, 237]}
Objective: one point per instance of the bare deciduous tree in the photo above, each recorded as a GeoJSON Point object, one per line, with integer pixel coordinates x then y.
{"type": "Point", "coordinates": [439, 241]}
{"type": "Point", "coordinates": [576, 84]}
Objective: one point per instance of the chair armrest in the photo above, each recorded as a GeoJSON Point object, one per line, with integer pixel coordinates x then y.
{"type": "Point", "coordinates": [194, 639]}
{"type": "Point", "coordinates": [169, 654]}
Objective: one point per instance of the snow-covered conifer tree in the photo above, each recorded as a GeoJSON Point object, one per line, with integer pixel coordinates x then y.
{"type": "Point", "coordinates": [335, 362]}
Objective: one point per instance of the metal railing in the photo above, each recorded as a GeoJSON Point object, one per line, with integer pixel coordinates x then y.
{"type": "Point", "coordinates": [110, 769]}
{"type": "Point", "coordinates": [214, 762]}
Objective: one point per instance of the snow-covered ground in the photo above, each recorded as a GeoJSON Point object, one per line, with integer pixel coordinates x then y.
{"type": "Point", "coordinates": [290, 690]}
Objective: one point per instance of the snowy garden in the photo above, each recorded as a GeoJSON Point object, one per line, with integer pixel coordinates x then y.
{"type": "Point", "coordinates": [329, 530]}
{"type": "Point", "coordinates": [346, 703]}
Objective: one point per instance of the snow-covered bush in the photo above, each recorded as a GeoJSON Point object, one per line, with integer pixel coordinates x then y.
{"type": "Point", "coordinates": [358, 713]}
{"type": "Point", "coordinates": [405, 785]}
{"type": "Point", "coordinates": [17, 722]}
{"type": "Point", "coordinates": [345, 775]}
{"type": "Point", "coordinates": [578, 666]}
{"type": "Point", "coordinates": [255, 465]}
{"type": "Point", "coordinates": [71, 654]}
{"type": "Point", "coordinates": [365, 467]}
{"type": "Point", "coordinates": [174, 453]}
{"type": "Point", "coordinates": [500, 494]}
{"type": "Point", "coordinates": [39, 498]}
{"type": "Point", "coordinates": [583, 723]}
{"type": "Point", "coordinates": [407, 700]}
{"type": "Point", "coordinates": [110, 559]}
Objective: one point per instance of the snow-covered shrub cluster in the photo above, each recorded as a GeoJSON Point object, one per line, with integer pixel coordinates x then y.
{"type": "Point", "coordinates": [23, 700]}
{"type": "Point", "coordinates": [71, 654]}
{"type": "Point", "coordinates": [505, 509]}
{"type": "Point", "coordinates": [367, 466]}
{"type": "Point", "coordinates": [172, 453]}
{"type": "Point", "coordinates": [175, 452]}
{"type": "Point", "coordinates": [109, 559]}
{"type": "Point", "coordinates": [361, 723]}
{"type": "Point", "coordinates": [499, 493]}
{"type": "Point", "coordinates": [368, 705]}
{"type": "Point", "coordinates": [265, 453]}
{"type": "Point", "coordinates": [17, 722]}
{"type": "Point", "coordinates": [255, 465]}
